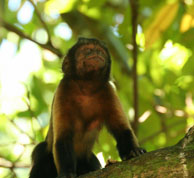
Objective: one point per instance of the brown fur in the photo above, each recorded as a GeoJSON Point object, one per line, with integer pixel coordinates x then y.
{"type": "Point", "coordinates": [81, 108]}
{"type": "Point", "coordinates": [83, 103]}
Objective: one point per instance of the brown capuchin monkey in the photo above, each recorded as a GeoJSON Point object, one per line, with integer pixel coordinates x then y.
{"type": "Point", "coordinates": [84, 101]}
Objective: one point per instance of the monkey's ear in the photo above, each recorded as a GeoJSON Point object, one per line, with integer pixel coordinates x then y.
{"type": "Point", "coordinates": [65, 65]}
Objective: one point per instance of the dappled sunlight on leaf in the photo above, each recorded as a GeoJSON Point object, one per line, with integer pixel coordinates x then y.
{"type": "Point", "coordinates": [59, 6]}
{"type": "Point", "coordinates": [26, 9]}
{"type": "Point", "coordinates": [64, 31]}
{"type": "Point", "coordinates": [14, 72]}
{"type": "Point", "coordinates": [144, 116]}
{"type": "Point", "coordinates": [187, 22]}
{"type": "Point", "coordinates": [189, 104]}
{"type": "Point", "coordinates": [91, 12]}
{"type": "Point", "coordinates": [161, 139]}
{"type": "Point", "coordinates": [14, 4]}
{"type": "Point", "coordinates": [41, 36]}
{"type": "Point", "coordinates": [184, 81]}
{"type": "Point", "coordinates": [18, 149]}
{"type": "Point", "coordinates": [174, 56]}
{"type": "Point", "coordinates": [161, 22]}
{"type": "Point", "coordinates": [101, 159]}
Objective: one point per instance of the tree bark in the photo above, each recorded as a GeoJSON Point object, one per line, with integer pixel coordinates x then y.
{"type": "Point", "coordinates": [171, 162]}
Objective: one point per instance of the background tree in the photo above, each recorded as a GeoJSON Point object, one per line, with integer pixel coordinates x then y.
{"type": "Point", "coordinates": [36, 34]}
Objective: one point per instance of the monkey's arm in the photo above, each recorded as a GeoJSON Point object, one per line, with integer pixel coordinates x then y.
{"type": "Point", "coordinates": [120, 128]}
{"type": "Point", "coordinates": [63, 151]}
{"type": "Point", "coordinates": [62, 147]}
{"type": "Point", "coordinates": [64, 156]}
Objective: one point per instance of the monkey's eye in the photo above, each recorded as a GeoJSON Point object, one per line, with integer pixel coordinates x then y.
{"type": "Point", "coordinates": [88, 51]}
{"type": "Point", "coordinates": [101, 53]}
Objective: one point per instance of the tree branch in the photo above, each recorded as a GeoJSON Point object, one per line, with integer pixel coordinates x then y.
{"type": "Point", "coordinates": [14, 29]}
{"type": "Point", "coordinates": [23, 132]}
{"type": "Point", "coordinates": [8, 164]}
{"type": "Point", "coordinates": [134, 16]}
{"type": "Point", "coordinates": [173, 161]}
{"type": "Point", "coordinates": [41, 20]}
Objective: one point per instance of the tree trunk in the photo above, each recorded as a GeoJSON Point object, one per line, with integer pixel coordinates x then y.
{"type": "Point", "coordinates": [171, 162]}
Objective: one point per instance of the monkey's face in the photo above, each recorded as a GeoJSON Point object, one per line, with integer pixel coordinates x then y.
{"type": "Point", "coordinates": [88, 59]}
{"type": "Point", "coordinates": [91, 61]}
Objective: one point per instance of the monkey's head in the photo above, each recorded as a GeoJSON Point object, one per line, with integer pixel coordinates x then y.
{"type": "Point", "coordinates": [88, 59]}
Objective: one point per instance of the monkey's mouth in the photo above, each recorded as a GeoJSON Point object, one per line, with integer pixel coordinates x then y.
{"type": "Point", "coordinates": [96, 57]}
{"type": "Point", "coordinates": [91, 66]}
{"type": "Point", "coordinates": [94, 63]}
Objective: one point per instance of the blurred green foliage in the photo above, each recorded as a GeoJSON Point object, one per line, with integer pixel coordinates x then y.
{"type": "Point", "coordinates": [30, 71]}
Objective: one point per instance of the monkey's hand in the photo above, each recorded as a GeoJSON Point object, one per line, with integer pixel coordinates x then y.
{"type": "Point", "coordinates": [134, 152]}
